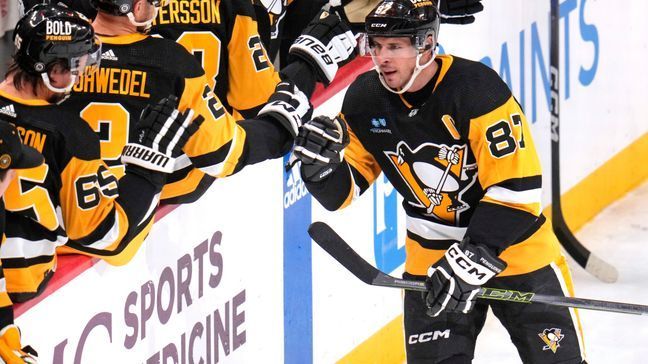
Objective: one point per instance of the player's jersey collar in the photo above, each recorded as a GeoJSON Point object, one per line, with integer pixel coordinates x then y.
{"type": "Point", "coordinates": [122, 39]}
{"type": "Point", "coordinates": [446, 62]}
{"type": "Point", "coordinates": [30, 102]}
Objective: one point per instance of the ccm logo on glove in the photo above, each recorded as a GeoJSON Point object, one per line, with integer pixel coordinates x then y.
{"type": "Point", "coordinates": [476, 274]}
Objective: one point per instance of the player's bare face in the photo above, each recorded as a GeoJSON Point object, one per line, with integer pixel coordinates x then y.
{"type": "Point", "coordinates": [395, 59]}
{"type": "Point", "coordinates": [145, 11]}
{"type": "Point", "coordinates": [60, 77]}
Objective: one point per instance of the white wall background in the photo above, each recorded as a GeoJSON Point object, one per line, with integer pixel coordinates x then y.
{"type": "Point", "coordinates": [600, 117]}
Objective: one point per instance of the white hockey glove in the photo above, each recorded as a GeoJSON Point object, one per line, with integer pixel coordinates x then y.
{"type": "Point", "coordinates": [289, 106]}
{"type": "Point", "coordinates": [12, 351]}
{"type": "Point", "coordinates": [326, 43]}
{"type": "Point", "coordinates": [459, 11]}
{"type": "Point", "coordinates": [320, 146]}
{"type": "Point", "coordinates": [161, 134]}
{"type": "Point", "coordinates": [456, 279]}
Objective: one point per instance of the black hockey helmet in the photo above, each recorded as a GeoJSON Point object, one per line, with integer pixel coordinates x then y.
{"type": "Point", "coordinates": [416, 19]}
{"type": "Point", "coordinates": [53, 34]}
{"type": "Point", "coordinates": [121, 7]}
{"type": "Point", "coordinates": [50, 33]}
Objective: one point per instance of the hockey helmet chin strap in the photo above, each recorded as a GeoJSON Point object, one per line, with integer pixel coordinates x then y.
{"type": "Point", "coordinates": [143, 26]}
{"type": "Point", "coordinates": [417, 69]}
{"type": "Point", "coordinates": [61, 90]}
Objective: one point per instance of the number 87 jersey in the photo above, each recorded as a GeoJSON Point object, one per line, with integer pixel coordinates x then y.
{"type": "Point", "coordinates": [460, 153]}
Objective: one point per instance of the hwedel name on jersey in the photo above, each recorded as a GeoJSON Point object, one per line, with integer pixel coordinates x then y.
{"type": "Point", "coordinates": [58, 30]}
{"type": "Point", "coordinates": [114, 81]}
{"type": "Point", "coordinates": [295, 187]}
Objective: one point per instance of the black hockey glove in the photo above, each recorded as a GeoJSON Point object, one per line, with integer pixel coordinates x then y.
{"type": "Point", "coordinates": [161, 134]}
{"type": "Point", "coordinates": [289, 106]}
{"type": "Point", "coordinates": [456, 279]}
{"type": "Point", "coordinates": [459, 11]}
{"type": "Point", "coordinates": [319, 146]}
{"type": "Point", "coordinates": [326, 43]}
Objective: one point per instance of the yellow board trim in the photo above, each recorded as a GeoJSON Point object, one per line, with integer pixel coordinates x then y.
{"type": "Point", "coordinates": [619, 175]}
{"type": "Point", "coordinates": [580, 204]}
{"type": "Point", "coordinates": [385, 346]}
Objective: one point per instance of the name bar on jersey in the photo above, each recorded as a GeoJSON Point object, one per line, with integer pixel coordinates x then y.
{"type": "Point", "coordinates": [190, 12]}
{"type": "Point", "coordinates": [115, 81]}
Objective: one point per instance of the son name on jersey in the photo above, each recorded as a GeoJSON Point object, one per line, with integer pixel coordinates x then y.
{"type": "Point", "coordinates": [34, 139]}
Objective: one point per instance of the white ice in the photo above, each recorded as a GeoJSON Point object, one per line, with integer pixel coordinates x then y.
{"type": "Point", "coordinates": [618, 235]}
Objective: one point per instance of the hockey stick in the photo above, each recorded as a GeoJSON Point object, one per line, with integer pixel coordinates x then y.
{"type": "Point", "coordinates": [333, 244]}
{"type": "Point", "coordinates": [590, 262]}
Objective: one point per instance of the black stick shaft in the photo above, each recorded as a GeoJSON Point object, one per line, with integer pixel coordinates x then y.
{"type": "Point", "coordinates": [333, 244]}
{"type": "Point", "coordinates": [574, 248]}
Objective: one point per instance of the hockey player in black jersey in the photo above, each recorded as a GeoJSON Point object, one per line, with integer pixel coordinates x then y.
{"type": "Point", "coordinates": [454, 142]}
{"type": "Point", "coordinates": [72, 199]}
{"type": "Point", "coordinates": [14, 155]}
{"type": "Point", "coordinates": [137, 69]}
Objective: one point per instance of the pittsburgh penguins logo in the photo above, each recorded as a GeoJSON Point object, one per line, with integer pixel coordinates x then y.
{"type": "Point", "coordinates": [437, 175]}
{"type": "Point", "coordinates": [551, 337]}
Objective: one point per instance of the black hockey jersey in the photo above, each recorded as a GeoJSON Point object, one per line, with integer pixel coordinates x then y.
{"type": "Point", "coordinates": [71, 199]}
{"type": "Point", "coordinates": [138, 69]}
{"type": "Point", "coordinates": [224, 36]}
{"type": "Point", "coordinates": [462, 158]}
{"type": "Point", "coordinates": [6, 306]}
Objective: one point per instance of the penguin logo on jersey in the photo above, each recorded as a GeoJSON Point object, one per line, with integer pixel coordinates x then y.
{"type": "Point", "coordinates": [437, 176]}
{"type": "Point", "coordinates": [551, 337]}
{"type": "Point", "coordinates": [276, 12]}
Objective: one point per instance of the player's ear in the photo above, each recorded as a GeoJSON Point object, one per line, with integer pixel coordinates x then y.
{"type": "Point", "coordinates": [429, 42]}
{"type": "Point", "coordinates": [59, 75]}
{"type": "Point", "coordinates": [138, 5]}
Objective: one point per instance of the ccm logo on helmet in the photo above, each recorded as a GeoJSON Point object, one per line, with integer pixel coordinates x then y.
{"type": "Point", "coordinates": [58, 30]}
{"type": "Point", "coordinates": [428, 336]}
{"type": "Point", "coordinates": [378, 25]}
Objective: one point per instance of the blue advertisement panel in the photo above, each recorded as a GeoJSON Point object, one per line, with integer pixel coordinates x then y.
{"type": "Point", "coordinates": [298, 284]}
{"type": "Point", "coordinates": [386, 251]}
